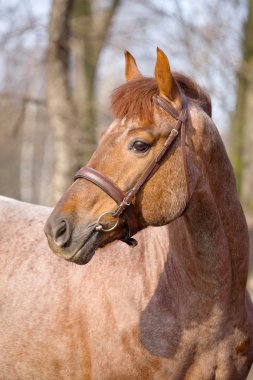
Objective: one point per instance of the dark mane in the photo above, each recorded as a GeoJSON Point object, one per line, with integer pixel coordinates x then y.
{"type": "Point", "coordinates": [134, 99]}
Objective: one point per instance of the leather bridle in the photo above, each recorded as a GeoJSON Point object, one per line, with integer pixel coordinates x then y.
{"type": "Point", "coordinates": [124, 201]}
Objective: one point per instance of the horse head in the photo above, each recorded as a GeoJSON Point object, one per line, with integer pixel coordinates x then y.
{"type": "Point", "coordinates": [141, 157]}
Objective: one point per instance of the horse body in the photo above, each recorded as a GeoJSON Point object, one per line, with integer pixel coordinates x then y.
{"type": "Point", "coordinates": [60, 321]}
{"type": "Point", "coordinates": [176, 306]}
{"type": "Point", "coordinates": [127, 314]}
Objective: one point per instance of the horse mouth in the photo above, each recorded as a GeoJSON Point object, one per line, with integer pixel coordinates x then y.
{"type": "Point", "coordinates": [86, 251]}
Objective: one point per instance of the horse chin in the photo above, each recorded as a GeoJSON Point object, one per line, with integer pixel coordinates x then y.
{"type": "Point", "coordinates": [86, 251]}
{"type": "Point", "coordinates": [94, 240]}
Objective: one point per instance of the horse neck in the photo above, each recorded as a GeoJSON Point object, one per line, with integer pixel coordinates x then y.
{"type": "Point", "coordinates": [213, 242]}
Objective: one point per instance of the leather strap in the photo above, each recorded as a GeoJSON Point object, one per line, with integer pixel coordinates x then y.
{"type": "Point", "coordinates": [112, 190]}
{"type": "Point", "coordinates": [181, 118]}
{"type": "Point", "coordinates": [182, 115]}
{"type": "Point", "coordinates": [149, 172]}
{"type": "Point", "coordinates": [183, 137]}
{"type": "Point", "coordinates": [103, 182]}
{"type": "Point", "coordinates": [166, 106]}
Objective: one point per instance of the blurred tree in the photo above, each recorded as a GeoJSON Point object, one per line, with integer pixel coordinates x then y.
{"type": "Point", "coordinates": [71, 104]}
{"type": "Point", "coordinates": [62, 112]}
{"type": "Point", "coordinates": [242, 122]}
{"type": "Point", "coordinates": [91, 21]}
{"type": "Point", "coordinates": [23, 120]}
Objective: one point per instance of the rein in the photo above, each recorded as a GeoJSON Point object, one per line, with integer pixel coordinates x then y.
{"type": "Point", "coordinates": [124, 201]}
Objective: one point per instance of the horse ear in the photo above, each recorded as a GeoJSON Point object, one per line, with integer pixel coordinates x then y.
{"type": "Point", "coordinates": [164, 79]}
{"type": "Point", "coordinates": [131, 70]}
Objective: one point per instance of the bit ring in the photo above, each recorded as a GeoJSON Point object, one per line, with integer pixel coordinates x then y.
{"type": "Point", "coordinates": [100, 226]}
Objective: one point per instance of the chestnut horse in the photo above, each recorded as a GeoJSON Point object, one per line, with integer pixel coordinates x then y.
{"type": "Point", "coordinates": [173, 307]}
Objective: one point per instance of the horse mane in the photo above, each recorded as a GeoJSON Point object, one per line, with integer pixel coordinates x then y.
{"type": "Point", "coordinates": [133, 99]}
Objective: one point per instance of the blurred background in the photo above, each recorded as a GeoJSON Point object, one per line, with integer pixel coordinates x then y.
{"type": "Point", "coordinates": [60, 60]}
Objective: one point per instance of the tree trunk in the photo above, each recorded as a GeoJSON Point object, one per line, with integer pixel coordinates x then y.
{"type": "Point", "coordinates": [67, 134]}
{"type": "Point", "coordinates": [90, 30]}
{"type": "Point", "coordinates": [242, 124]}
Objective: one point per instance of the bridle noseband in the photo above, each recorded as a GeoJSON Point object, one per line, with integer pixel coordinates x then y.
{"type": "Point", "coordinates": [124, 201]}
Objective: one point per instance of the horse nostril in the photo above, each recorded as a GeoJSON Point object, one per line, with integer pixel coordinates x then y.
{"type": "Point", "coordinates": [61, 229]}
{"type": "Point", "coordinates": [62, 233]}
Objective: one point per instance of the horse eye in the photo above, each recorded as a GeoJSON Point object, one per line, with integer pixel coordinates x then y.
{"type": "Point", "coordinates": [140, 146]}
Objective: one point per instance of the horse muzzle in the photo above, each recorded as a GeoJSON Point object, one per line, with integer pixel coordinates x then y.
{"type": "Point", "coordinates": [78, 242]}
{"type": "Point", "coordinates": [73, 244]}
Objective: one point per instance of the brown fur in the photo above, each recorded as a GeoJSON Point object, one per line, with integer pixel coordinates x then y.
{"type": "Point", "coordinates": [133, 99]}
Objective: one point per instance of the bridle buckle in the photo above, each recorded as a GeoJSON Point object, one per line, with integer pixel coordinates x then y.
{"type": "Point", "coordinates": [126, 203]}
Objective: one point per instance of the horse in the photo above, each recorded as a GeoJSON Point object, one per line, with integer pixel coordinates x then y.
{"type": "Point", "coordinates": [170, 302]}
